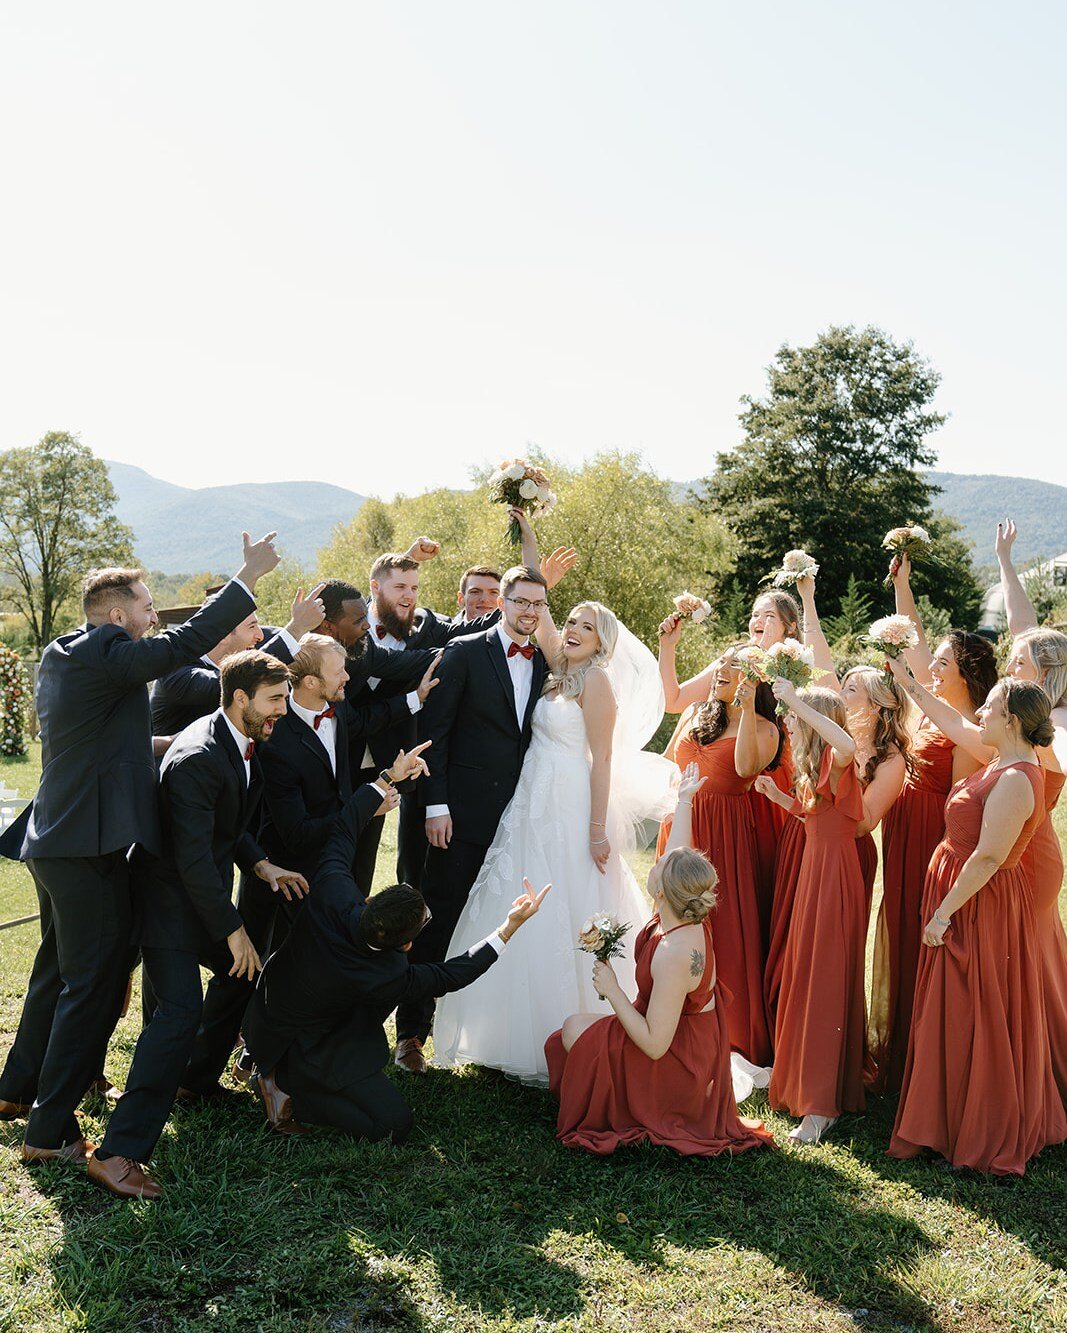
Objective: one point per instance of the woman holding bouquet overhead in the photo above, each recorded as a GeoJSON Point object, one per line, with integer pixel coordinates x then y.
{"type": "Point", "coordinates": [658, 1069]}
{"type": "Point", "coordinates": [732, 738]}
{"type": "Point", "coordinates": [978, 1086]}
{"type": "Point", "coordinates": [961, 671]}
{"type": "Point", "coordinates": [819, 1030]}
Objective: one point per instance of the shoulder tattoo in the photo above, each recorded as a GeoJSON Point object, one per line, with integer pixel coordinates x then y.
{"type": "Point", "coordinates": [696, 962]}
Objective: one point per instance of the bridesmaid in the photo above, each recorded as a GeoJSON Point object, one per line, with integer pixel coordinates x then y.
{"type": "Point", "coordinates": [819, 1031]}
{"type": "Point", "coordinates": [775, 617]}
{"type": "Point", "coordinates": [961, 672]}
{"type": "Point", "coordinates": [978, 1085]}
{"type": "Point", "coordinates": [659, 1070]}
{"type": "Point", "coordinates": [731, 743]}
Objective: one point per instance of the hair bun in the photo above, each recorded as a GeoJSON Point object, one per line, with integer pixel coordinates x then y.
{"type": "Point", "coordinates": [1043, 734]}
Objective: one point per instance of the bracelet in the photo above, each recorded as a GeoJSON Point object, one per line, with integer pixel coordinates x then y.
{"type": "Point", "coordinates": [941, 920]}
{"type": "Point", "coordinates": [598, 842]}
{"type": "Point", "coordinates": [597, 823]}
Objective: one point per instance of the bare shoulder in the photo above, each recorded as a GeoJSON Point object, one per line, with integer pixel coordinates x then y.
{"type": "Point", "coordinates": [682, 953]}
{"type": "Point", "coordinates": [596, 688]}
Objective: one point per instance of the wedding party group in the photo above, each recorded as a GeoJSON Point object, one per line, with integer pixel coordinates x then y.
{"type": "Point", "coordinates": [516, 935]}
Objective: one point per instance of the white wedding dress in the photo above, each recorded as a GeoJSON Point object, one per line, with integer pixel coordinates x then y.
{"type": "Point", "coordinates": [502, 1021]}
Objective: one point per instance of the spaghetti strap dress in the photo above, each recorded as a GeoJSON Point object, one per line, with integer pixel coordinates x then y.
{"type": "Point", "coordinates": [612, 1095]}
{"type": "Point", "coordinates": [1043, 863]}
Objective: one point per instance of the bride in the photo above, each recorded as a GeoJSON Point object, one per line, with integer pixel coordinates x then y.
{"type": "Point", "coordinates": [585, 786]}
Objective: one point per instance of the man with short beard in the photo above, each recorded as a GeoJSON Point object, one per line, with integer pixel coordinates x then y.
{"type": "Point", "coordinates": [209, 793]}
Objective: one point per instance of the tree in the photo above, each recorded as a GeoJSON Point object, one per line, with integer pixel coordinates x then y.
{"type": "Point", "coordinates": [56, 522]}
{"type": "Point", "coordinates": [830, 461]}
{"type": "Point", "coordinates": [854, 616]}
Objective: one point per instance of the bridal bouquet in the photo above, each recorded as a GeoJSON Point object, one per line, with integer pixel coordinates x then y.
{"type": "Point", "coordinates": [689, 606]}
{"type": "Point", "coordinates": [795, 565]}
{"type": "Point", "coordinates": [911, 541]}
{"type": "Point", "coordinates": [602, 936]}
{"type": "Point", "coordinates": [518, 483]}
{"type": "Point", "coordinates": [892, 635]}
{"type": "Point", "coordinates": [788, 660]}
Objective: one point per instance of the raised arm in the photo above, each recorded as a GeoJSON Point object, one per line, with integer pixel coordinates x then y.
{"type": "Point", "coordinates": [960, 730]}
{"type": "Point", "coordinates": [599, 710]}
{"type": "Point", "coordinates": [681, 834]}
{"type": "Point", "coordinates": [842, 744]}
{"type": "Point", "coordinates": [813, 635]}
{"type": "Point", "coordinates": [1020, 609]}
{"type": "Point", "coordinates": [1010, 805]}
{"type": "Point", "coordinates": [695, 691]}
{"type": "Point", "coordinates": [919, 658]}
{"type": "Point", "coordinates": [549, 639]}
{"type": "Point", "coordinates": [757, 737]}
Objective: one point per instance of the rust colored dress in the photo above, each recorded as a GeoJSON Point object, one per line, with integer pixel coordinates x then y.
{"type": "Point", "coordinates": [912, 828]}
{"type": "Point", "coordinates": [770, 822]}
{"type": "Point", "coordinates": [819, 1044]}
{"type": "Point", "coordinates": [723, 830]}
{"type": "Point", "coordinates": [786, 875]}
{"type": "Point", "coordinates": [978, 1085]}
{"type": "Point", "coordinates": [1043, 863]}
{"type": "Point", "coordinates": [611, 1094]}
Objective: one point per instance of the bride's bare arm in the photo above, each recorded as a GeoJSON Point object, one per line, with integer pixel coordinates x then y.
{"type": "Point", "coordinates": [549, 639]}
{"type": "Point", "coordinates": [599, 710]}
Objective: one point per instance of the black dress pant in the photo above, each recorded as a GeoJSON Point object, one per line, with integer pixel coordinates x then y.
{"type": "Point", "coordinates": [446, 885]}
{"type": "Point", "coordinates": [367, 843]}
{"type": "Point", "coordinates": [75, 991]}
{"type": "Point", "coordinates": [182, 1045]}
{"type": "Point", "coordinates": [368, 1108]}
{"type": "Point", "coordinates": [411, 844]}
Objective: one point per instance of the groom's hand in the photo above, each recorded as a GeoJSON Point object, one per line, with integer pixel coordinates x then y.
{"type": "Point", "coordinates": [439, 831]}
{"type": "Point", "coordinates": [522, 909]}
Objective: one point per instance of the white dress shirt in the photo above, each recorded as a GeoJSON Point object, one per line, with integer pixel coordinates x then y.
{"type": "Point", "coordinates": [241, 741]}
{"type": "Point", "coordinates": [520, 669]}
{"type": "Point", "coordinates": [327, 731]}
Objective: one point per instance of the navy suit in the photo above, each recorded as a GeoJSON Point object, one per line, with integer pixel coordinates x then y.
{"type": "Point", "coordinates": [97, 797]}
{"type": "Point", "coordinates": [316, 1019]}
{"type": "Point", "coordinates": [185, 897]}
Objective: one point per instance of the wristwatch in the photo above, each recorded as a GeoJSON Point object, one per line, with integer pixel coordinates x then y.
{"type": "Point", "coordinates": [386, 777]}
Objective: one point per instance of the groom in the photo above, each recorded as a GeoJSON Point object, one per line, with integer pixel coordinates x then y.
{"type": "Point", "coordinates": [479, 720]}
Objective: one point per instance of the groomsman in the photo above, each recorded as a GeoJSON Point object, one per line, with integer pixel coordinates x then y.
{"type": "Point", "coordinates": [193, 691]}
{"type": "Point", "coordinates": [97, 796]}
{"type": "Point", "coordinates": [479, 723]}
{"type": "Point", "coordinates": [479, 591]}
{"type": "Point", "coordinates": [210, 788]}
{"type": "Point", "coordinates": [315, 1024]}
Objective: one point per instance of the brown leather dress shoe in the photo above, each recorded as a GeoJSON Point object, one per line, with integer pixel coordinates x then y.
{"type": "Point", "coordinates": [103, 1087]}
{"type": "Point", "coordinates": [409, 1056]}
{"type": "Point", "coordinates": [13, 1110]}
{"type": "Point", "coordinates": [76, 1152]}
{"type": "Point", "coordinates": [277, 1105]}
{"type": "Point", "coordinates": [124, 1177]}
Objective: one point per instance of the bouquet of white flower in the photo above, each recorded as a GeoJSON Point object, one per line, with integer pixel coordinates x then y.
{"type": "Point", "coordinates": [789, 660]}
{"type": "Point", "coordinates": [518, 483]}
{"type": "Point", "coordinates": [795, 565]}
{"type": "Point", "coordinates": [691, 607]}
{"type": "Point", "coordinates": [892, 635]}
{"type": "Point", "coordinates": [911, 541]}
{"type": "Point", "coordinates": [602, 936]}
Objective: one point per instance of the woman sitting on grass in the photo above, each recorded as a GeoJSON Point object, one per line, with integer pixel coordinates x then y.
{"type": "Point", "coordinates": [658, 1071]}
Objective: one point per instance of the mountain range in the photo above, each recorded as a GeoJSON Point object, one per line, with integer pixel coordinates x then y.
{"type": "Point", "coordinates": [182, 530]}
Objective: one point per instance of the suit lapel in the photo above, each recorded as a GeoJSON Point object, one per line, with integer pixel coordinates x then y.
{"type": "Point", "coordinates": [500, 664]}
{"type": "Point", "coordinates": [311, 739]}
{"type": "Point", "coordinates": [237, 763]}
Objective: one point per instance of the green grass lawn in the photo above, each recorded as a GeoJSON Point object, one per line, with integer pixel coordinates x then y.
{"type": "Point", "coordinates": [484, 1223]}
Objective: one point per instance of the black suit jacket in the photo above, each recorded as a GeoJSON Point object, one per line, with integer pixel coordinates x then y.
{"type": "Point", "coordinates": [478, 743]}
{"type": "Point", "coordinates": [326, 990]}
{"type": "Point", "coordinates": [194, 691]}
{"type": "Point", "coordinates": [98, 785]}
{"type": "Point", "coordinates": [303, 795]}
{"type": "Point", "coordinates": [185, 894]}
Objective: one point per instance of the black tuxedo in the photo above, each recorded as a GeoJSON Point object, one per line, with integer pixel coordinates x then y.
{"type": "Point", "coordinates": [179, 698]}
{"type": "Point", "coordinates": [185, 898]}
{"type": "Point", "coordinates": [475, 760]}
{"type": "Point", "coordinates": [96, 798]}
{"type": "Point", "coordinates": [317, 1015]}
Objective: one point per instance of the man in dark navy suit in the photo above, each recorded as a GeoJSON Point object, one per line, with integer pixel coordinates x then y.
{"type": "Point", "coordinates": [96, 798]}
{"type": "Point", "coordinates": [210, 788]}
{"type": "Point", "coordinates": [479, 588]}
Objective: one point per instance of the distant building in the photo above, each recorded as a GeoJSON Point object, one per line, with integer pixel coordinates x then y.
{"type": "Point", "coordinates": [994, 612]}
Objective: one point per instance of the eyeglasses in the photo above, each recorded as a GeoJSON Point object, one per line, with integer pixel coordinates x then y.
{"type": "Point", "coordinates": [524, 604]}
{"type": "Point", "coordinates": [425, 922]}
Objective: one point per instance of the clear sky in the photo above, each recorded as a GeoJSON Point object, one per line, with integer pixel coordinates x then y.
{"type": "Point", "coordinates": [379, 243]}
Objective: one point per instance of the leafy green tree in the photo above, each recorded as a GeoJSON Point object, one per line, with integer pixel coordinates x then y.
{"type": "Point", "coordinates": [56, 522]}
{"type": "Point", "coordinates": [831, 461]}
{"type": "Point", "coordinates": [855, 615]}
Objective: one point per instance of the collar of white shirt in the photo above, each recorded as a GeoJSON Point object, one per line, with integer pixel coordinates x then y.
{"type": "Point", "coordinates": [307, 715]}
{"type": "Point", "coordinates": [374, 622]}
{"type": "Point", "coordinates": [240, 740]}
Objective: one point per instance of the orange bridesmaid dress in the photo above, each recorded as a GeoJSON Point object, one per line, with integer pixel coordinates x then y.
{"type": "Point", "coordinates": [978, 1085]}
{"type": "Point", "coordinates": [1043, 863]}
{"type": "Point", "coordinates": [723, 829]}
{"type": "Point", "coordinates": [819, 1044]}
{"type": "Point", "coordinates": [611, 1094]}
{"type": "Point", "coordinates": [770, 822]}
{"type": "Point", "coordinates": [786, 875]}
{"type": "Point", "coordinates": [911, 831]}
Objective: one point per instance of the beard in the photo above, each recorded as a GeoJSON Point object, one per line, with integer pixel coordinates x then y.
{"type": "Point", "coordinates": [399, 624]}
{"type": "Point", "coordinates": [256, 724]}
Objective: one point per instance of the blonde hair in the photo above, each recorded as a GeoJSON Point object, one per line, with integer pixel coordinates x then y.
{"type": "Point", "coordinates": [308, 661]}
{"type": "Point", "coordinates": [569, 683]}
{"type": "Point", "coordinates": [687, 881]}
{"type": "Point", "coordinates": [808, 746]}
{"type": "Point", "coordinates": [892, 730]}
{"type": "Point", "coordinates": [1048, 648]}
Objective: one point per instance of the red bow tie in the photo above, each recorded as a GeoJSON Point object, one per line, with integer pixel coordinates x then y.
{"type": "Point", "coordinates": [381, 631]}
{"type": "Point", "coordinates": [326, 712]}
{"type": "Point", "coordinates": [249, 751]}
{"type": "Point", "coordinates": [526, 649]}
